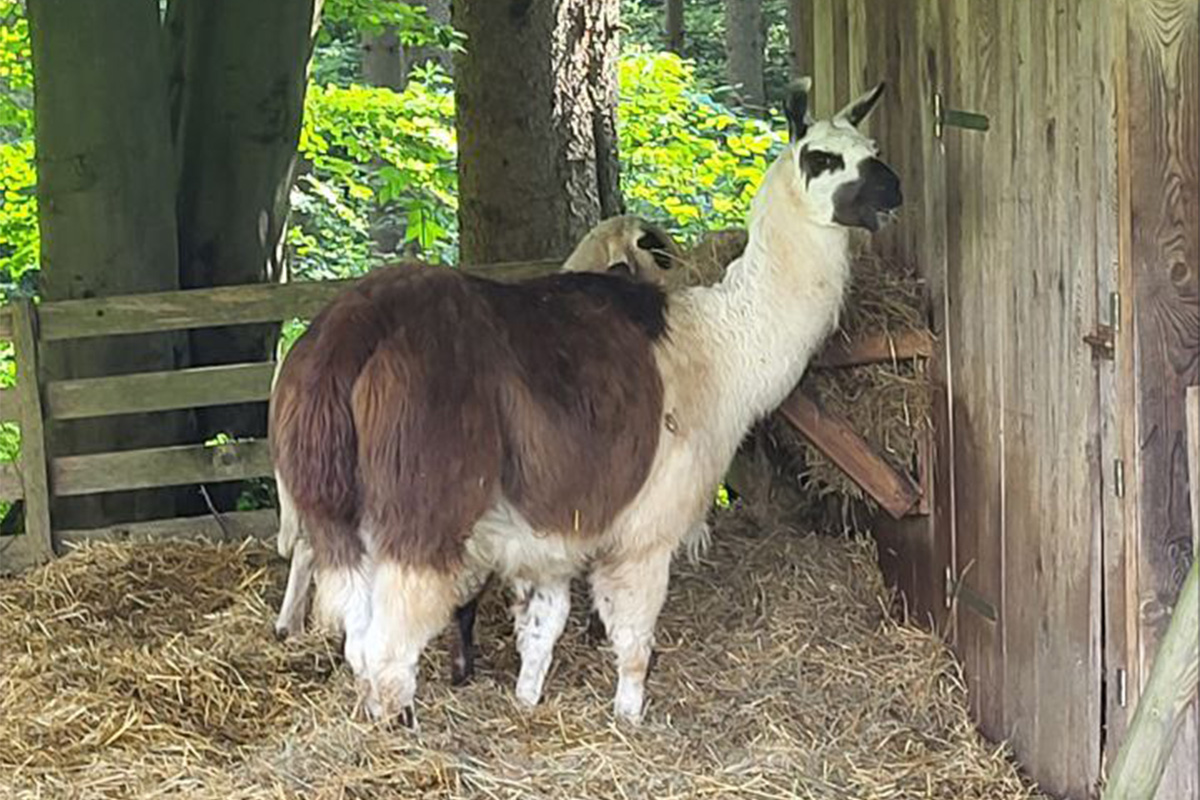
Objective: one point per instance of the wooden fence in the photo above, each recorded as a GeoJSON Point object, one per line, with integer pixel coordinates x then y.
{"type": "Point", "coordinates": [40, 475]}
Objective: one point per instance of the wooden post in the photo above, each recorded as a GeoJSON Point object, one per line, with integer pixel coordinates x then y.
{"type": "Point", "coordinates": [36, 546]}
{"type": "Point", "coordinates": [1173, 680]}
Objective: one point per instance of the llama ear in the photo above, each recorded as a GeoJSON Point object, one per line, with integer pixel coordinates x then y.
{"type": "Point", "coordinates": [857, 111]}
{"type": "Point", "coordinates": [795, 108]}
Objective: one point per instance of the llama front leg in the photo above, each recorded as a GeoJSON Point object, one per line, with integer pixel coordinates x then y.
{"type": "Point", "coordinates": [629, 594]}
{"type": "Point", "coordinates": [409, 606]}
{"type": "Point", "coordinates": [540, 614]}
{"type": "Point", "coordinates": [294, 608]}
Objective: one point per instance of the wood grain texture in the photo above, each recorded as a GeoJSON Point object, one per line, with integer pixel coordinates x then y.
{"type": "Point", "coordinates": [161, 466]}
{"type": "Point", "coordinates": [234, 526]}
{"type": "Point", "coordinates": [229, 305]}
{"type": "Point", "coordinates": [37, 544]}
{"type": "Point", "coordinates": [834, 437]}
{"type": "Point", "coordinates": [875, 349]}
{"type": "Point", "coordinates": [159, 391]}
{"type": "Point", "coordinates": [11, 485]}
{"type": "Point", "coordinates": [1163, 265]}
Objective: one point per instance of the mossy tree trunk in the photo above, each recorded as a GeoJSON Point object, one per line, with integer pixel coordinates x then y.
{"type": "Point", "coordinates": [536, 105]}
{"type": "Point", "coordinates": [107, 212]}
{"type": "Point", "coordinates": [744, 45]}
{"type": "Point", "coordinates": [244, 76]}
{"type": "Point", "coordinates": [166, 156]}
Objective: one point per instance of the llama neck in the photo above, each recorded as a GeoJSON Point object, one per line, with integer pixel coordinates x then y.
{"type": "Point", "coordinates": [779, 301]}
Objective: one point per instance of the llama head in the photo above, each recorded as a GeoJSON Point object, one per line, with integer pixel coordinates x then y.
{"type": "Point", "coordinates": [630, 246]}
{"type": "Point", "coordinates": [840, 175]}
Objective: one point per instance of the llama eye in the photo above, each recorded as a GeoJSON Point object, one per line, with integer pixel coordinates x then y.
{"type": "Point", "coordinates": [819, 161]}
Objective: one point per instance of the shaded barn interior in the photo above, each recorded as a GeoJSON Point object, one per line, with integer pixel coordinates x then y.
{"type": "Point", "coordinates": [1050, 154]}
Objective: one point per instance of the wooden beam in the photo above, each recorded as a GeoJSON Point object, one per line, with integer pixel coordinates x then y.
{"type": "Point", "coordinates": [1172, 687]}
{"type": "Point", "coordinates": [11, 485]}
{"type": "Point", "coordinates": [159, 391]}
{"type": "Point", "coordinates": [238, 525]}
{"type": "Point", "coordinates": [1143, 756]}
{"type": "Point", "coordinates": [227, 305]}
{"type": "Point", "coordinates": [876, 348]}
{"type": "Point", "coordinates": [36, 545]}
{"type": "Point", "coordinates": [1192, 402]}
{"type": "Point", "coordinates": [161, 466]}
{"type": "Point", "coordinates": [833, 436]}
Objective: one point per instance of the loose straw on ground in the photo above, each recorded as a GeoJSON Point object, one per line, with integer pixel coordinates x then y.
{"type": "Point", "coordinates": [150, 670]}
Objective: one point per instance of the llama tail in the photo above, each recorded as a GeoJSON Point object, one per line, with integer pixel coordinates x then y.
{"type": "Point", "coordinates": [313, 438]}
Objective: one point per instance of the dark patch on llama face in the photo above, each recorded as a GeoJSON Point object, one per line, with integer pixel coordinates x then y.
{"type": "Point", "coordinates": [866, 201]}
{"type": "Point", "coordinates": [651, 242]}
{"type": "Point", "coordinates": [815, 162]}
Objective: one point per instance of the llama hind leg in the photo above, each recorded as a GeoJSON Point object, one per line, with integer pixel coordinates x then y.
{"type": "Point", "coordinates": [289, 520]}
{"type": "Point", "coordinates": [294, 607]}
{"type": "Point", "coordinates": [540, 613]}
{"type": "Point", "coordinates": [409, 606]}
{"type": "Point", "coordinates": [629, 594]}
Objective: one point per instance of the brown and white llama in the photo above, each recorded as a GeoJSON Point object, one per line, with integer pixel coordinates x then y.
{"type": "Point", "coordinates": [627, 245]}
{"type": "Point", "coordinates": [497, 433]}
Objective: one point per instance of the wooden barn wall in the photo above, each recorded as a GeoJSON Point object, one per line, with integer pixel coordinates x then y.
{"type": "Point", "coordinates": [1084, 184]}
{"type": "Point", "coordinates": [1159, 346]}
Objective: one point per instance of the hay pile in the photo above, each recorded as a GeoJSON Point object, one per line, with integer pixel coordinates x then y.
{"type": "Point", "coordinates": [887, 404]}
{"type": "Point", "coordinates": [151, 671]}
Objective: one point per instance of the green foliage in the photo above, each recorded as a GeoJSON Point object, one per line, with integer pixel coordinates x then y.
{"type": "Point", "coordinates": [376, 156]}
{"type": "Point", "coordinates": [684, 155]}
{"type": "Point", "coordinates": [413, 25]}
{"type": "Point", "coordinates": [18, 204]}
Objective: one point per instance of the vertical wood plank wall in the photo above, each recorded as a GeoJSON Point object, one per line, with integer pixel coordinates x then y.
{"type": "Point", "coordinates": [1086, 182]}
{"type": "Point", "coordinates": [1160, 344]}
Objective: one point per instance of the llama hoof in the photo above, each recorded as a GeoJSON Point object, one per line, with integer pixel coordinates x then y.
{"type": "Point", "coordinates": [529, 694]}
{"type": "Point", "coordinates": [281, 633]}
{"type": "Point", "coordinates": [408, 718]}
{"type": "Point", "coordinates": [627, 705]}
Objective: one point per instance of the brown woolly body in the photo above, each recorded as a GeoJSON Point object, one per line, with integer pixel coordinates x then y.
{"type": "Point", "coordinates": [466, 391]}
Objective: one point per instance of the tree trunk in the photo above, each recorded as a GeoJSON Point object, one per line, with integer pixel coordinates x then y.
{"type": "Point", "coordinates": [536, 105]}
{"type": "Point", "coordinates": [674, 25]}
{"type": "Point", "coordinates": [800, 37]}
{"type": "Point", "coordinates": [383, 60]}
{"type": "Point", "coordinates": [106, 192]}
{"type": "Point", "coordinates": [244, 76]}
{"type": "Point", "coordinates": [438, 11]}
{"type": "Point", "coordinates": [744, 50]}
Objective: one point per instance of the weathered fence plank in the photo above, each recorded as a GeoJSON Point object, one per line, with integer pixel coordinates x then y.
{"type": "Point", "coordinates": [875, 349]}
{"type": "Point", "coordinates": [161, 466]}
{"type": "Point", "coordinates": [226, 305]}
{"type": "Point", "coordinates": [37, 544]}
{"type": "Point", "coordinates": [159, 391]}
{"type": "Point", "coordinates": [234, 526]}
{"type": "Point", "coordinates": [11, 485]}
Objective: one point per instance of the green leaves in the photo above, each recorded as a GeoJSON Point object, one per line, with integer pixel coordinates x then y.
{"type": "Point", "coordinates": [376, 156]}
{"type": "Point", "coordinates": [685, 156]}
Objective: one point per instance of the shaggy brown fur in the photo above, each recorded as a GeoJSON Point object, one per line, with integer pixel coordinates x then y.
{"type": "Point", "coordinates": [490, 386]}
{"type": "Point", "coordinates": [313, 440]}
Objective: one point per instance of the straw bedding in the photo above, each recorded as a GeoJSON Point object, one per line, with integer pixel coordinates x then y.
{"type": "Point", "coordinates": [150, 670]}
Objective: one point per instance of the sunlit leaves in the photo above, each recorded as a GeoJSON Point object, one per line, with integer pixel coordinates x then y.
{"type": "Point", "coordinates": [685, 156]}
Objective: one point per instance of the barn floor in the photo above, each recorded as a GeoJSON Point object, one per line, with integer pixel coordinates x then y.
{"type": "Point", "coordinates": [151, 671]}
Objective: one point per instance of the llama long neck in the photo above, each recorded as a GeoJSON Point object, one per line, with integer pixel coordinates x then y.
{"type": "Point", "coordinates": [780, 300]}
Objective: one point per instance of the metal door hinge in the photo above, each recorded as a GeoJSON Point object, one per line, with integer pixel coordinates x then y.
{"type": "Point", "coordinates": [1118, 477]}
{"type": "Point", "coordinates": [1103, 339]}
{"type": "Point", "coordinates": [958, 591]}
{"type": "Point", "coordinates": [955, 118]}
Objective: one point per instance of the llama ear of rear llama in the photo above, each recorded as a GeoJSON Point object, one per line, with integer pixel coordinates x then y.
{"type": "Point", "coordinates": [654, 241]}
{"type": "Point", "coordinates": [858, 109]}
{"type": "Point", "coordinates": [795, 108]}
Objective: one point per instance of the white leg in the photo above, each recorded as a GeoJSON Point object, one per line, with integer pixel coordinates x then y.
{"type": "Point", "coordinates": [343, 602]}
{"type": "Point", "coordinates": [409, 607]}
{"type": "Point", "coordinates": [540, 613]}
{"type": "Point", "coordinates": [289, 520]}
{"type": "Point", "coordinates": [294, 608]}
{"type": "Point", "coordinates": [629, 593]}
